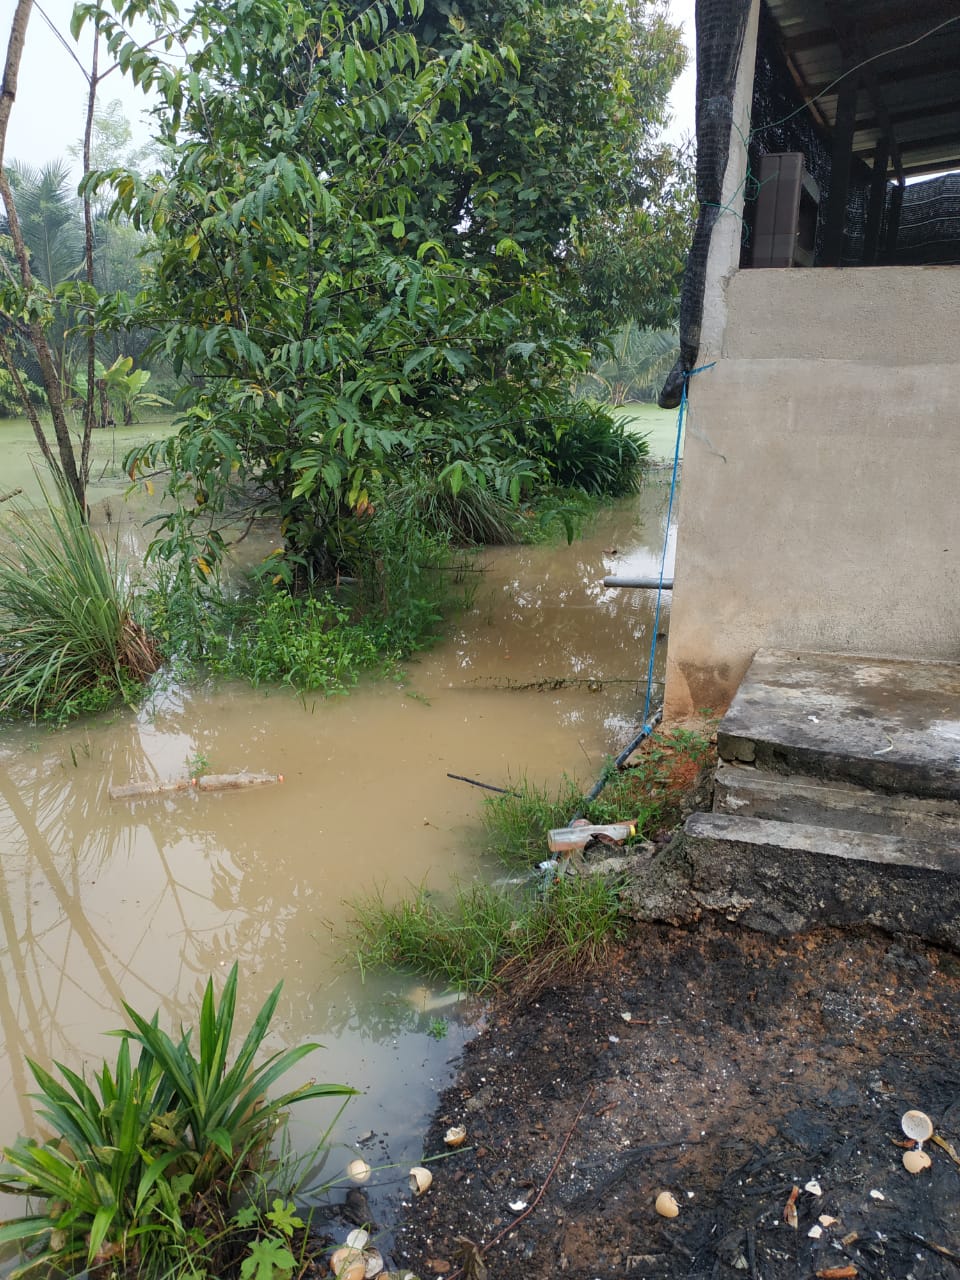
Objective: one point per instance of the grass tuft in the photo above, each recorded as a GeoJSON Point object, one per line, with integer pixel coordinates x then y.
{"type": "Point", "coordinates": [648, 792]}
{"type": "Point", "coordinates": [69, 638]}
{"type": "Point", "coordinates": [487, 935]}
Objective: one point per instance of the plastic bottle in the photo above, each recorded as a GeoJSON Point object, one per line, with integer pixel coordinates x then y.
{"type": "Point", "coordinates": [565, 839]}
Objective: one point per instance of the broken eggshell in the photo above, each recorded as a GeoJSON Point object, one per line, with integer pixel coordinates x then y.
{"type": "Point", "coordinates": [358, 1171]}
{"type": "Point", "coordinates": [357, 1239]}
{"type": "Point", "coordinates": [373, 1262]}
{"type": "Point", "coordinates": [456, 1135]}
{"type": "Point", "coordinates": [348, 1264]}
{"type": "Point", "coordinates": [916, 1161]}
{"type": "Point", "coordinates": [666, 1205]}
{"type": "Point", "coordinates": [917, 1125]}
{"type": "Point", "coordinates": [420, 1179]}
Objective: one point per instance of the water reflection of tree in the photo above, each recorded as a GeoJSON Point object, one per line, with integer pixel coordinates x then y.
{"type": "Point", "coordinates": [552, 613]}
{"type": "Point", "coordinates": [221, 894]}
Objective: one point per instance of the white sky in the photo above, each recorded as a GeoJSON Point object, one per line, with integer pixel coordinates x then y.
{"type": "Point", "coordinates": [48, 113]}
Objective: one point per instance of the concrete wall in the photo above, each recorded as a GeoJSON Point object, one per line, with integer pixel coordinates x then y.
{"type": "Point", "coordinates": [820, 505]}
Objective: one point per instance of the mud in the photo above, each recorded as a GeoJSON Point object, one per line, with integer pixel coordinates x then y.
{"type": "Point", "coordinates": [728, 1068]}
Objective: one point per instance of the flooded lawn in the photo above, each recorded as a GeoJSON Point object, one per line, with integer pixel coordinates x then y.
{"type": "Point", "coordinates": [104, 901]}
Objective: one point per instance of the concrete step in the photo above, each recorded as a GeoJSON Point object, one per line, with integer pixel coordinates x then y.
{"type": "Point", "coordinates": [785, 877]}
{"type": "Point", "coordinates": [890, 725]}
{"type": "Point", "coordinates": [788, 797]}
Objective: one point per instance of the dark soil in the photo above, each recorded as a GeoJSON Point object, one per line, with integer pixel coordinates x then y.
{"type": "Point", "coordinates": [749, 1066]}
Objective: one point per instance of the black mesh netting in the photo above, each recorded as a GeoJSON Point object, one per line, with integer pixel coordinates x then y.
{"type": "Point", "coordinates": [780, 121]}
{"type": "Point", "coordinates": [720, 30]}
{"type": "Point", "coordinates": [929, 225]}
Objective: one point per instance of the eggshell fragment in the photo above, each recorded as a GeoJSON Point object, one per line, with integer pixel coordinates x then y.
{"type": "Point", "coordinates": [916, 1161]}
{"type": "Point", "coordinates": [348, 1264]}
{"type": "Point", "coordinates": [917, 1125]}
{"type": "Point", "coordinates": [420, 1179]}
{"type": "Point", "coordinates": [358, 1171]}
{"type": "Point", "coordinates": [666, 1205]}
{"type": "Point", "coordinates": [357, 1239]}
{"type": "Point", "coordinates": [374, 1263]}
{"type": "Point", "coordinates": [455, 1136]}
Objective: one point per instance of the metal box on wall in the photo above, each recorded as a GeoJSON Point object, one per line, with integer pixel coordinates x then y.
{"type": "Point", "coordinates": [788, 202]}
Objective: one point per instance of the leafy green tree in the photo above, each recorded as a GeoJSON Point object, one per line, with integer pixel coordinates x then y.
{"type": "Point", "coordinates": [364, 236]}
{"type": "Point", "coordinates": [333, 343]}
{"type": "Point", "coordinates": [566, 157]}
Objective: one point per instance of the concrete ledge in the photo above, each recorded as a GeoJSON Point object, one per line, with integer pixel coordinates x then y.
{"type": "Point", "coordinates": [882, 723]}
{"type": "Point", "coordinates": [818, 315]}
{"type": "Point", "coordinates": [783, 877]}
{"type": "Point", "coordinates": [751, 793]}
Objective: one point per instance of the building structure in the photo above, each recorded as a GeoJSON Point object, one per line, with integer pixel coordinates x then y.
{"type": "Point", "coordinates": [820, 507]}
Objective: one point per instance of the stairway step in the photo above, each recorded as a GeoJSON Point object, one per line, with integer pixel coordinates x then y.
{"type": "Point", "coordinates": [786, 877]}
{"type": "Point", "coordinates": [790, 797]}
{"type": "Point", "coordinates": [887, 724]}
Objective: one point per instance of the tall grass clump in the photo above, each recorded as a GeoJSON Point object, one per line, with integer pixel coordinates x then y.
{"type": "Point", "coordinates": [70, 640]}
{"type": "Point", "coordinates": [473, 514]}
{"type": "Point", "coordinates": [488, 935]}
{"type": "Point", "coordinates": [155, 1165]}
{"type": "Point", "coordinates": [588, 450]}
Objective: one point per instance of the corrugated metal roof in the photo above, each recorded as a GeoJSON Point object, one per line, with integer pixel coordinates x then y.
{"type": "Point", "coordinates": [904, 58]}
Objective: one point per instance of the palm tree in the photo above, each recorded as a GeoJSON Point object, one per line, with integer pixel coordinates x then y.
{"type": "Point", "coordinates": [635, 360]}
{"type": "Point", "coordinates": [52, 224]}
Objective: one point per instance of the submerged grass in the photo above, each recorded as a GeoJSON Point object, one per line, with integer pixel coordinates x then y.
{"type": "Point", "coordinates": [487, 934]}
{"type": "Point", "coordinates": [540, 929]}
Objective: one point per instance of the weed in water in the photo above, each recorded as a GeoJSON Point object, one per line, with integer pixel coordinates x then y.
{"type": "Point", "coordinates": [460, 944]}
{"type": "Point", "coordinates": [197, 765]}
{"type": "Point", "coordinates": [147, 1161]}
{"type": "Point", "coordinates": [487, 935]}
{"type": "Point", "coordinates": [437, 1029]}
{"type": "Point", "coordinates": [516, 823]}
{"type": "Point", "coordinates": [69, 639]}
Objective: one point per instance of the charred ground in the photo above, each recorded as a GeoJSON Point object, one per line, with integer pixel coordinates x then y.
{"type": "Point", "coordinates": [748, 1066]}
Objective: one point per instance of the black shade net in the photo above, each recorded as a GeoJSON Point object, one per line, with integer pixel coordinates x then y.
{"type": "Point", "coordinates": [929, 222]}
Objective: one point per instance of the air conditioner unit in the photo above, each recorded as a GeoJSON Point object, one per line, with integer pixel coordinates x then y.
{"type": "Point", "coordinates": [788, 202]}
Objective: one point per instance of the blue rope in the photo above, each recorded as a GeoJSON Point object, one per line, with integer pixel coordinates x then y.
{"type": "Point", "coordinates": [650, 724]}
{"type": "Point", "coordinates": [666, 541]}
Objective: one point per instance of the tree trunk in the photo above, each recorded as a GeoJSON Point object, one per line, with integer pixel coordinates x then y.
{"type": "Point", "coordinates": [38, 339]}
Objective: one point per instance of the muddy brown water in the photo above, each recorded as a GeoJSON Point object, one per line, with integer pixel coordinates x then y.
{"type": "Point", "coordinates": [108, 901]}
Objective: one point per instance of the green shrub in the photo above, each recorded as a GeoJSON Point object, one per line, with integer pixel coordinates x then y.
{"type": "Point", "coordinates": [585, 448]}
{"type": "Point", "coordinates": [69, 637]}
{"type": "Point", "coordinates": [473, 514]}
{"type": "Point", "coordinates": [488, 934]}
{"type": "Point", "coordinates": [146, 1160]}
{"type": "Point", "coordinates": [308, 643]}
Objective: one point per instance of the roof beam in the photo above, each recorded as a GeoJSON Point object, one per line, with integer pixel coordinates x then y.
{"type": "Point", "coordinates": [855, 55]}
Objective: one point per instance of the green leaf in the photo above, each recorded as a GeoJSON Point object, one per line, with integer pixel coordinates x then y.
{"type": "Point", "coordinates": [268, 1259]}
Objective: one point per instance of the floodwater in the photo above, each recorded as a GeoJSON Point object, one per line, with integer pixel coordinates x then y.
{"type": "Point", "coordinates": [105, 901]}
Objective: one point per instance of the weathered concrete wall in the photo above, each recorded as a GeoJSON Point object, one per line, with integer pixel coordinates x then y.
{"type": "Point", "coordinates": [820, 507]}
